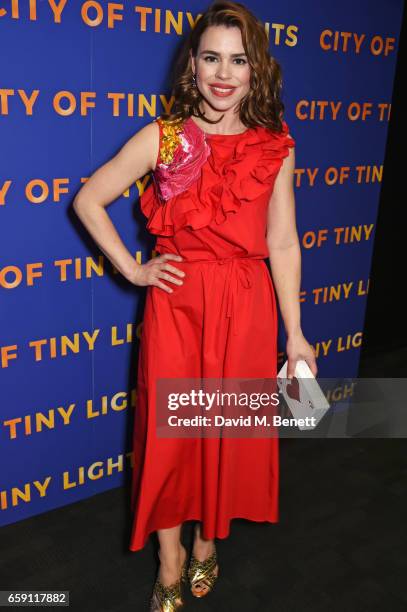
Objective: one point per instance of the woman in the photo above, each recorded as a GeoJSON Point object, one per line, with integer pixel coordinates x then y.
{"type": "Point", "coordinates": [220, 202]}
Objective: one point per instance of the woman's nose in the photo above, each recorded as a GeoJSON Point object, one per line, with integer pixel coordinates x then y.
{"type": "Point", "coordinates": [223, 70]}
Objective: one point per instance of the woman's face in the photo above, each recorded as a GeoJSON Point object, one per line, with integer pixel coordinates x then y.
{"type": "Point", "coordinates": [221, 68]}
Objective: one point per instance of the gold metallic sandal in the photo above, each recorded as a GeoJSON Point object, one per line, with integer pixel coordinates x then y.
{"type": "Point", "coordinates": [202, 572]}
{"type": "Point", "coordinates": [168, 598]}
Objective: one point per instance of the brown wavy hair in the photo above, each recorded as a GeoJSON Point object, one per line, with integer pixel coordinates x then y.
{"type": "Point", "coordinates": [262, 105]}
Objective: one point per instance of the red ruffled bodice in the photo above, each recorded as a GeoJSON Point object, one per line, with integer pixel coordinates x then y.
{"type": "Point", "coordinates": [200, 179]}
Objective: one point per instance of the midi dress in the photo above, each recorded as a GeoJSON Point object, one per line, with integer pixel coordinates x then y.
{"type": "Point", "coordinates": [207, 202]}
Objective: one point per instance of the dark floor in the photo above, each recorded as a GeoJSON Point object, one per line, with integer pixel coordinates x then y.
{"type": "Point", "coordinates": [340, 544]}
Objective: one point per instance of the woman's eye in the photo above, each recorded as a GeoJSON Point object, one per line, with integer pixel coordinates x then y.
{"type": "Point", "coordinates": [238, 59]}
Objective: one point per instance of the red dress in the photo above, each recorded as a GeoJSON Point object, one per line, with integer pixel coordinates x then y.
{"type": "Point", "coordinates": [208, 203]}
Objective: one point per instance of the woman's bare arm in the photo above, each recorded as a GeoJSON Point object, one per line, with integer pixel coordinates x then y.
{"type": "Point", "coordinates": [135, 159]}
{"type": "Point", "coordinates": [283, 245]}
{"type": "Point", "coordinates": [285, 260]}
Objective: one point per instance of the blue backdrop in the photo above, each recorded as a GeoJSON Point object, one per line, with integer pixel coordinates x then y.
{"type": "Point", "coordinates": [75, 86]}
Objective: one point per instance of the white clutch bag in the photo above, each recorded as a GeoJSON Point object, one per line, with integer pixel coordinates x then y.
{"type": "Point", "coordinates": [303, 394]}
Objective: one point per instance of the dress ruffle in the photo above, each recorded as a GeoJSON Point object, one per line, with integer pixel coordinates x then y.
{"type": "Point", "coordinates": [222, 185]}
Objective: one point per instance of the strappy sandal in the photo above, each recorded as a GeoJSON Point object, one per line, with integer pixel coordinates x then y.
{"type": "Point", "coordinates": [168, 598]}
{"type": "Point", "coordinates": [202, 572]}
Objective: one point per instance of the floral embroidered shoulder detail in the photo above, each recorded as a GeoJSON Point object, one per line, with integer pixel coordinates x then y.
{"type": "Point", "coordinates": [193, 186]}
{"type": "Point", "coordinates": [182, 152]}
{"type": "Point", "coordinates": [169, 138]}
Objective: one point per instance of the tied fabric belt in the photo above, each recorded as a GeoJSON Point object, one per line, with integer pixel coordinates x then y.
{"type": "Point", "coordinates": [240, 271]}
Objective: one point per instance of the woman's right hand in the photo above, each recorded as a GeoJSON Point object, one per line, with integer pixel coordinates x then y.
{"type": "Point", "coordinates": [155, 269]}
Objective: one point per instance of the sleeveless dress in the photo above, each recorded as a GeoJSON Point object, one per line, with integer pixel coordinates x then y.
{"type": "Point", "coordinates": [208, 203]}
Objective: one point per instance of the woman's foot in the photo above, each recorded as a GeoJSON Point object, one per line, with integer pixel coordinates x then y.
{"type": "Point", "coordinates": [203, 550]}
{"type": "Point", "coordinates": [169, 575]}
{"type": "Point", "coordinates": [171, 566]}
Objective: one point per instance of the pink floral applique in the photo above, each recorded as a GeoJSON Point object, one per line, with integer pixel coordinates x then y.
{"type": "Point", "coordinates": [172, 178]}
